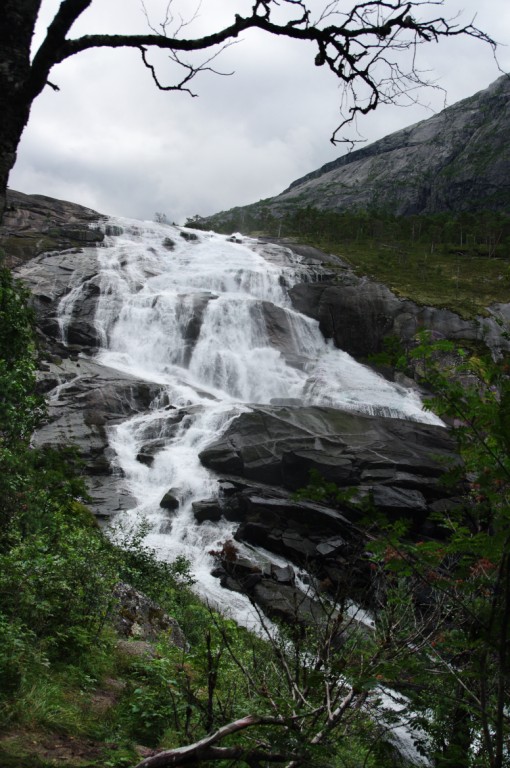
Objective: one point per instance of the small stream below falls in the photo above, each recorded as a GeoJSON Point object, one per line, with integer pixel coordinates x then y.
{"type": "Point", "coordinates": [208, 319]}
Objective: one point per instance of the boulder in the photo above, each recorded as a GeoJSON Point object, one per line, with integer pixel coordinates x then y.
{"type": "Point", "coordinates": [189, 236]}
{"type": "Point", "coordinates": [276, 323]}
{"type": "Point", "coordinates": [137, 616]}
{"type": "Point", "coordinates": [311, 535]}
{"type": "Point", "coordinates": [169, 244]}
{"type": "Point", "coordinates": [270, 587]}
{"type": "Point", "coordinates": [169, 501]}
{"type": "Point", "coordinates": [207, 509]}
{"type": "Point", "coordinates": [287, 603]}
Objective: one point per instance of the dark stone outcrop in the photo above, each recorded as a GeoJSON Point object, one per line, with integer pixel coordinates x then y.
{"type": "Point", "coordinates": [278, 329]}
{"type": "Point", "coordinates": [192, 331]}
{"type": "Point", "coordinates": [137, 616]}
{"type": "Point", "coordinates": [385, 465]}
{"type": "Point", "coordinates": [359, 313]}
{"type": "Point", "coordinates": [271, 587]}
{"type": "Point", "coordinates": [189, 236]}
{"type": "Point", "coordinates": [51, 277]}
{"type": "Point", "coordinates": [35, 224]}
{"type": "Point", "coordinates": [90, 398]}
{"type": "Point", "coordinates": [279, 445]}
{"type": "Point", "coordinates": [170, 501]}
{"type": "Point", "coordinates": [207, 509]}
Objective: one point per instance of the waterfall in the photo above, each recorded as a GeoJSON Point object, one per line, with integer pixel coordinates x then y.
{"type": "Point", "coordinates": [208, 318]}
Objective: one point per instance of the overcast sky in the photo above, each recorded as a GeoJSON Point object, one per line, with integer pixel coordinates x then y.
{"type": "Point", "coordinates": [110, 140]}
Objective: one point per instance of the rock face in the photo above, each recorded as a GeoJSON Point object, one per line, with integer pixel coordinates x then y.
{"type": "Point", "coordinates": [358, 313]}
{"type": "Point", "coordinates": [35, 224]}
{"type": "Point", "coordinates": [88, 399]}
{"type": "Point", "coordinates": [267, 453]}
{"type": "Point", "coordinates": [64, 278]}
{"type": "Point", "coordinates": [384, 465]}
{"type": "Point", "coordinates": [278, 446]}
{"type": "Point", "coordinates": [85, 398]}
{"type": "Point", "coordinates": [457, 160]}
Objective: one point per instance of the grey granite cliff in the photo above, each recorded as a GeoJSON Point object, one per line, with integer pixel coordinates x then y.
{"type": "Point", "coordinates": [457, 160]}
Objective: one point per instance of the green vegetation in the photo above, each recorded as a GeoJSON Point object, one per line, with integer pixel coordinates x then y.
{"type": "Point", "coordinates": [465, 575]}
{"type": "Point", "coordinates": [447, 597]}
{"type": "Point", "coordinates": [459, 261]}
{"type": "Point", "coordinates": [57, 573]}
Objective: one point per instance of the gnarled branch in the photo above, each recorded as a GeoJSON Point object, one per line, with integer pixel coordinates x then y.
{"type": "Point", "coordinates": [205, 749]}
{"type": "Point", "coordinates": [356, 45]}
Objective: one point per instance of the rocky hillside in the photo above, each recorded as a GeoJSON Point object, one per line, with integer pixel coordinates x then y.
{"type": "Point", "coordinates": [457, 160]}
{"type": "Point", "coordinates": [35, 224]}
{"type": "Point", "coordinates": [267, 456]}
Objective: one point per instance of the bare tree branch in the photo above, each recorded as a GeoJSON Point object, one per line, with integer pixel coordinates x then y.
{"type": "Point", "coordinates": [203, 749]}
{"type": "Point", "coordinates": [362, 47]}
{"type": "Point", "coordinates": [192, 70]}
{"type": "Point", "coordinates": [355, 48]}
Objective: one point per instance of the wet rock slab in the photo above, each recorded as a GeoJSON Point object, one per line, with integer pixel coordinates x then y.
{"type": "Point", "coordinates": [279, 445]}
{"type": "Point", "coordinates": [51, 277]}
{"type": "Point", "coordinates": [87, 398]}
{"type": "Point", "coordinates": [390, 465]}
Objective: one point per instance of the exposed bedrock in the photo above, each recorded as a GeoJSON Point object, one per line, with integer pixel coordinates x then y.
{"type": "Point", "coordinates": [358, 313]}
{"type": "Point", "coordinates": [57, 279]}
{"type": "Point", "coordinates": [35, 224]}
{"type": "Point", "coordinates": [86, 399]}
{"type": "Point", "coordinates": [279, 445]}
{"type": "Point", "coordinates": [389, 465]}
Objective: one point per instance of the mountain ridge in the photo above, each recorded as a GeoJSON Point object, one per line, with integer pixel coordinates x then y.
{"type": "Point", "coordinates": [457, 160]}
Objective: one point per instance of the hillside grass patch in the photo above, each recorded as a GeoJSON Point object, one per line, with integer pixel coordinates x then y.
{"type": "Point", "coordinates": [463, 282]}
{"type": "Point", "coordinates": [457, 261]}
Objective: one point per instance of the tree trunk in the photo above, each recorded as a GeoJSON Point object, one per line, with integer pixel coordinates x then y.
{"type": "Point", "coordinates": [17, 21]}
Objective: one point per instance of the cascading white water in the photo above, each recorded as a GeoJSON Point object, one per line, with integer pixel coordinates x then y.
{"type": "Point", "coordinates": [209, 319]}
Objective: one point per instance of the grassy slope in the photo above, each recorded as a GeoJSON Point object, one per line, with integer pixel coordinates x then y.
{"type": "Point", "coordinates": [457, 261]}
{"type": "Point", "coordinates": [462, 282]}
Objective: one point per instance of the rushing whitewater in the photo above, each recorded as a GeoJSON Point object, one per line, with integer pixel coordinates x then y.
{"type": "Point", "coordinates": [208, 318]}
